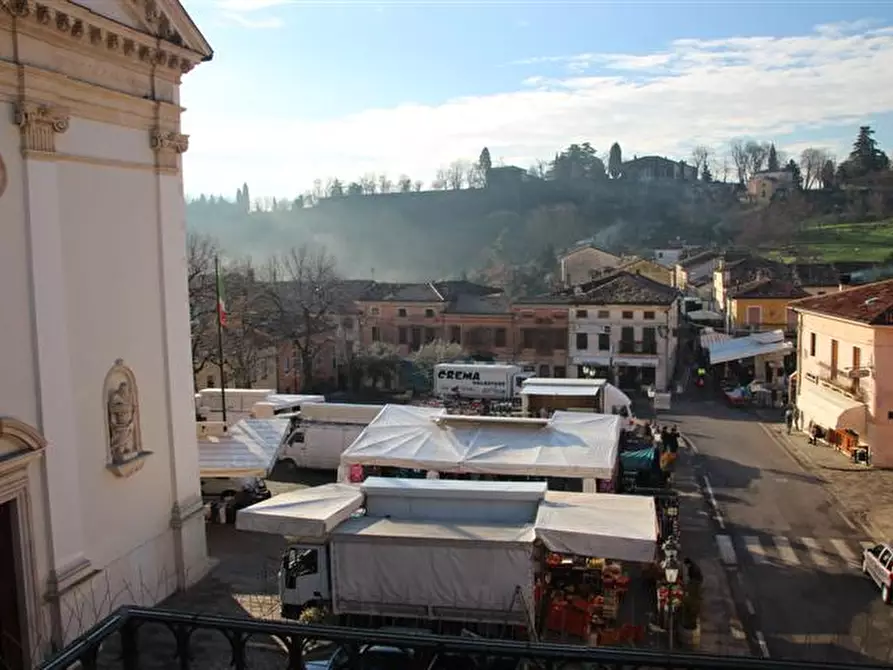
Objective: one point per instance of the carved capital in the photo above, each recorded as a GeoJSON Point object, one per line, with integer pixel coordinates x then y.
{"type": "Point", "coordinates": [39, 124]}
{"type": "Point", "coordinates": [168, 145]}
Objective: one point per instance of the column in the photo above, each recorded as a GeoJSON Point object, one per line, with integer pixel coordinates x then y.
{"type": "Point", "coordinates": [39, 125]}
{"type": "Point", "coordinates": [187, 519]}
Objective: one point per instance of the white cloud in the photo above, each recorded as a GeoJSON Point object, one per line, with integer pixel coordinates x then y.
{"type": "Point", "coordinates": [693, 92]}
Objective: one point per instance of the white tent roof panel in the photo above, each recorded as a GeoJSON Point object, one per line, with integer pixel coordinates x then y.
{"type": "Point", "coordinates": [249, 449]}
{"type": "Point", "coordinates": [310, 513]}
{"type": "Point", "coordinates": [404, 529]}
{"type": "Point", "coordinates": [548, 386]}
{"type": "Point", "coordinates": [570, 444]}
{"type": "Point", "coordinates": [603, 525]}
{"type": "Point", "coordinates": [452, 488]}
{"type": "Point", "coordinates": [751, 345]}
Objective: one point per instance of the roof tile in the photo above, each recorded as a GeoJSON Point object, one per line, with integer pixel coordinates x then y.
{"type": "Point", "coordinates": [870, 304]}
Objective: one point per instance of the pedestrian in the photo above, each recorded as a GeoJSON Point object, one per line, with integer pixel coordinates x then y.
{"type": "Point", "coordinates": [789, 419]}
{"type": "Point", "coordinates": [664, 437]}
{"type": "Point", "coordinates": [694, 574]}
{"type": "Point", "coordinates": [674, 440]}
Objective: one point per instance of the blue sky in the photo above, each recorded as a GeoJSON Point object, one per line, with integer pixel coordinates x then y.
{"type": "Point", "coordinates": [305, 90]}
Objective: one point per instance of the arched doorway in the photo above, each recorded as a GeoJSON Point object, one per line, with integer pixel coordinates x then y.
{"type": "Point", "coordinates": [20, 444]}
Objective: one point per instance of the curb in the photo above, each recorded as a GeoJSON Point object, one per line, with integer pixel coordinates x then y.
{"type": "Point", "coordinates": [811, 467]}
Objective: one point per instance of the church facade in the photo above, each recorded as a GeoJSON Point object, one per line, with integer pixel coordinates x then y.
{"type": "Point", "coordinates": [99, 485]}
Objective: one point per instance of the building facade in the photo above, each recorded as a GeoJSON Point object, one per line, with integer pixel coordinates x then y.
{"type": "Point", "coordinates": [99, 485]}
{"type": "Point", "coordinates": [581, 264]}
{"type": "Point", "coordinates": [761, 305]}
{"type": "Point", "coordinates": [624, 328]}
{"type": "Point", "coordinates": [541, 332]}
{"type": "Point", "coordinates": [845, 344]}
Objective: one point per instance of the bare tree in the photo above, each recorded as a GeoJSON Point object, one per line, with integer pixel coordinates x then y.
{"type": "Point", "coordinates": [301, 301]}
{"type": "Point", "coordinates": [539, 169]}
{"type": "Point", "coordinates": [243, 340]}
{"type": "Point", "coordinates": [812, 161]}
{"type": "Point", "coordinates": [740, 159]}
{"type": "Point", "coordinates": [700, 156]}
{"type": "Point", "coordinates": [757, 154]}
{"type": "Point", "coordinates": [417, 185]}
{"type": "Point", "coordinates": [456, 173]}
{"type": "Point", "coordinates": [441, 179]}
{"type": "Point", "coordinates": [725, 169]}
{"type": "Point", "coordinates": [476, 177]}
{"type": "Point", "coordinates": [404, 184]}
{"type": "Point", "coordinates": [368, 183]}
{"type": "Point", "coordinates": [384, 184]}
{"type": "Point", "coordinates": [201, 250]}
{"type": "Point", "coordinates": [318, 191]}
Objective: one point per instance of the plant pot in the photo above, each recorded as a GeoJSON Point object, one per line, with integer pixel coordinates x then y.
{"type": "Point", "coordinates": [690, 638]}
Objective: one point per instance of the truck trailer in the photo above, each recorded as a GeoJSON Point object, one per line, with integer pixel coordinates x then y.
{"type": "Point", "coordinates": [478, 381]}
{"type": "Point", "coordinates": [431, 552]}
{"type": "Point", "coordinates": [320, 433]}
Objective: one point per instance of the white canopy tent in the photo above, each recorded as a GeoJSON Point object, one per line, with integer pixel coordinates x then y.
{"type": "Point", "coordinates": [248, 449]}
{"type": "Point", "coordinates": [758, 344]}
{"type": "Point", "coordinates": [619, 527]}
{"type": "Point", "coordinates": [570, 444]}
{"type": "Point", "coordinates": [309, 514]}
{"type": "Point", "coordinates": [622, 527]}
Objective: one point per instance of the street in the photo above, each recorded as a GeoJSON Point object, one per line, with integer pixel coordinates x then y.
{"type": "Point", "coordinates": [791, 558]}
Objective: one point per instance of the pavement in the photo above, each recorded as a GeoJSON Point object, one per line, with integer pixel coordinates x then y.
{"type": "Point", "coordinates": [787, 545]}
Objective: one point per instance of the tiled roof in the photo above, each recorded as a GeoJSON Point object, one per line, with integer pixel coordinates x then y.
{"type": "Point", "coordinates": [697, 259]}
{"type": "Point", "coordinates": [439, 291]}
{"type": "Point", "coordinates": [480, 304]}
{"type": "Point", "coordinates": [546, 299]}
{"type": "Point", "coordinates": [624, 288]}
{"type": "Point", "coordinates": [767, 288]}
{"type": "Point", "coordinates": [871, 303]}
{"type": "Point", "coordinates": [827, 274]}
{"type": "Point", "coordinates": [752, 268]}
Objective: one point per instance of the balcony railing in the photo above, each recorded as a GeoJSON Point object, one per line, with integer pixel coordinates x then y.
{"type": "Point", "coordinates": [647, 347]}
{"type": "Point", "coordinates": [114, 643]}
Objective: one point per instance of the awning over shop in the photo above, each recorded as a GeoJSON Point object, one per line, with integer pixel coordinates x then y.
{"type": "Point", "coordinates": [704, 315]}
{"type": "Point", "coordinates": [619, 527]}
{"type": "Point", "coordinates": [757, 344]}
{"type": "Point", "coordinates": [248, 449]}
{"type": "Point", "coordinates": [831, 409]}
{"type": "Point", "coordinates": [710, 337]}
{"type": "Point", "coordinates": [309, 514]}
{"type": "Point", "coordinates": [549, 386]}
{"type": "Point", "coordinates": [569, 444]}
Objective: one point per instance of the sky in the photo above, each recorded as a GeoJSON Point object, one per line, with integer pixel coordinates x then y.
{"type": "Point", "coordinates": [301, 90]}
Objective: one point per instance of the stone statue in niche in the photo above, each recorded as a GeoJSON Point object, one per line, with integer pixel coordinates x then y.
{"type": "Point", "coordinates": [126, 454]}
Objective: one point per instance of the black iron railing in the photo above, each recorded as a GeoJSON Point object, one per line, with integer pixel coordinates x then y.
{"type": "Point", "coordinates": [126, 622]}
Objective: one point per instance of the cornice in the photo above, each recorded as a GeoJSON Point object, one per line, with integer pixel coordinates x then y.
{"type": "Point", "coordinates": [83, 26]}
{"type": "Point", "coordinates": [168, 146]}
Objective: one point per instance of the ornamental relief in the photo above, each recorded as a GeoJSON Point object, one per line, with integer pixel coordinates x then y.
{"type": "Point", "coordinates": [125, 442]}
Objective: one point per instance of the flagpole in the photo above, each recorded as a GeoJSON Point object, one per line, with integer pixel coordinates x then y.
{"type": "Point", "coordinates": [220, 339]}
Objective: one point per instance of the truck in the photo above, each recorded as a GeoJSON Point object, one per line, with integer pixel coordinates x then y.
{"type": "Point", "coordinates": [320, 433]}
{"type": "Point", "coordinates": [478, 381]}
{"type": "Point", "coordinates": [438, 553]}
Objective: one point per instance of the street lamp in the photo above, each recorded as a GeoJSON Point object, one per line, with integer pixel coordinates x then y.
{"type": "Point", "coordinates": [671, 570]}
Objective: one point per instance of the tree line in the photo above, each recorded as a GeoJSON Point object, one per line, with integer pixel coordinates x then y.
{"type": "Point", "coordinates": [814, 167]}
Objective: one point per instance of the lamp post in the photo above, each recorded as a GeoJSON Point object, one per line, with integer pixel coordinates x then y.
{"type": "Point", "coordinates": [671, 574]}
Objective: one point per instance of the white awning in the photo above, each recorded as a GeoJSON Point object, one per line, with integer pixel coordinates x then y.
{"type": "Point", "coordinates": [704, 315]}
{"type": "Point", "coordinates": [248, 449]}
{"type": "Point", "coordinates": [310, 513]}
{"type": "Point", "coordinates": [569, 444]}
{"type": "Point", "coordinates": [711, 337]}
{"type": "Point", "coordinates": [602, 525]}
{"type": "Point", "coordinates": [758, 344]}
{"type": "Point", "coordinates": [830, 409]}
{"type": "Point", "coordinates": [548, 386]}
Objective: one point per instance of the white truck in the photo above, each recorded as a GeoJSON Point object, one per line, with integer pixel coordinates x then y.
{"type": "Point", "coordinates": [431, 552]}
{"type": "Point", "coordinates": [320, 433]}
{"type": "Point", "coordinates": [477, 381]}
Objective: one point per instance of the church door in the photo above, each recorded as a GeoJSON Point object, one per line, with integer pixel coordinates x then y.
{"type": "Point", "coordinates": [11, 653]}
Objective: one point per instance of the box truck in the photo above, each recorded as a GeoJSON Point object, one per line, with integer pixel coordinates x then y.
{"type": "Point", "coordinates": [477, 381]}
{"type": "Point", "coordinates": [320, 433]}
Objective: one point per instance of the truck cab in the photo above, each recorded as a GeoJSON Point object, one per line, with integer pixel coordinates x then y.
{"type": "Point", "coordinates": [303, 579]}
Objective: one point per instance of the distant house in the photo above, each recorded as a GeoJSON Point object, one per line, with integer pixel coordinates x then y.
{"type": "Point", "coordinates": [657, 168]}
{"type": "Point", "coordinates": [764, 186]}
{"type": "Point", "coordinates": [508, 175]}
{"type": "Point", "coordinates": [694, 268]}
{"type": "Point", "coordinates": [647, 268]}
{"type": "Point", "coordinates": [584, 262]}
{"type": "Point", "coordinates": [761, 305]}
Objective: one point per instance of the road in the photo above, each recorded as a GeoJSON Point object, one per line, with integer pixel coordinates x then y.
{"type": "Point", "coordinates": [791, 557]}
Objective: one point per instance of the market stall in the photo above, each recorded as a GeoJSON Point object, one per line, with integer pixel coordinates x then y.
{"type": "Point", "coordinates": [581, 448]}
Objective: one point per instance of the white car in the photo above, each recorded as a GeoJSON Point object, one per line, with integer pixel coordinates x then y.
{"type": "Point", "coordinates": [877, 563]}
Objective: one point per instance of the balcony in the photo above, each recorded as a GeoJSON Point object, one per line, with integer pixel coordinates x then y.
{"type": "Point", "coordinates": [645, 348]}
{"type": "Point", "coordinates": [841, 383]}
{"type": "Point", "coordinates": [115, 643]}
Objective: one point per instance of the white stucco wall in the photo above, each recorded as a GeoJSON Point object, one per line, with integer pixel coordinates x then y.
{"type": "Point", "coordinates": [92, 232]}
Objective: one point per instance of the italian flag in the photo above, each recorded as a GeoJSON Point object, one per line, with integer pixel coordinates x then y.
{"type": "Point", "coordinates": [221, 303]}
